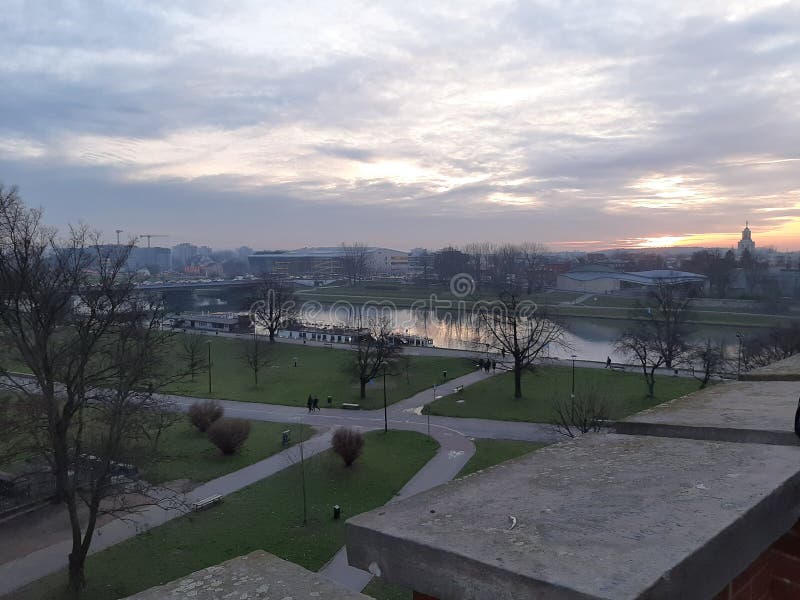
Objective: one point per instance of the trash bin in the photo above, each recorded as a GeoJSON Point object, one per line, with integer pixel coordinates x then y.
{"type": "Point", "coordinates": [337, 512]}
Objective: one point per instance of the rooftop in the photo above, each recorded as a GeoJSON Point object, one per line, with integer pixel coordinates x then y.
{"type": "Point", "coordinates": [666, 510]}
{"type": "Point", "coordinates": [254, 576]}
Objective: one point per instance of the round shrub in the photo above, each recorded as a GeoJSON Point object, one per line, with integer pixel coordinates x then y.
{"type": "Point", "coordinates": [229, 434]}
{"type": "Point", "coordinates": [348, 443]}
{"type": "Point", "coordinates": [203, 414]}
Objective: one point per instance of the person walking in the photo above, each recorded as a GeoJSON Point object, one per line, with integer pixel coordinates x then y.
{"type": "Point", "coordinates": [315, 405]}
{"type": "Point", "coordinates": [608, 362]}
{"type": "Point", "coordinates": [310, 403]}
{"type": "Point", "coordinates": [494, 365]}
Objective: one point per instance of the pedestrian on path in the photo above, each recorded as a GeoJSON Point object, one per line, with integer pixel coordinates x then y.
{"type": "Point", "coordinates": [608, 362]}
{"type": "Point", "coordinates": [310, 403]}
{"type": "Point", "coordinates": [494, 365]}
{"type": "Point", "coordinates": [480, 364]}
{"type": "Point", "coordinates": [315, 405]}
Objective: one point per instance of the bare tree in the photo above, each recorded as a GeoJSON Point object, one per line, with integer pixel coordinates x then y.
{"type": "Point", "coordinates": [479, 254]}
{"type": "Point", "coordinates": [506, 263]}
{"type": "Point", "coordinates": [638, 345]}
{"type": "Point", "coordinates": [374, 349]}
{"type": "Point", "coordinates": [520, 329]}
{"type": "Point", "coordinates": [193, 353]}
{"type": "Point", "coordinates": [356, 261]}
{"type": "Point", "coordinates": [96, 353]}
{"type": "Point", "coordinates": [586, 411]}
{"type": "Point", "coordinates": [711, 359]}
{"type": "Point", "coordinates": [774, 345]}
{"type": "Point", "coordinates": [533, 261]}
{"type": "Point", "coordinates": [273, 307]}
{"type": "Point", "coordinates": [665, 324]}
{"type": "Point", "coordinates": [255, 354]}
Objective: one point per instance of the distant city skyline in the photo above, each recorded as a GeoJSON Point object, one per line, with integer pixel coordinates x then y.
{"type": "Point", "coordinates": [582, 127]}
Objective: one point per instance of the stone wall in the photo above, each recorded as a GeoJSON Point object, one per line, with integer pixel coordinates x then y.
{"type": "Point", "coordinates": [775, 575]}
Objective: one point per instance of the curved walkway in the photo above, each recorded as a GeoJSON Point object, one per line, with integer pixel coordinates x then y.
{"type": "Point", "coordinates": [452, 434]}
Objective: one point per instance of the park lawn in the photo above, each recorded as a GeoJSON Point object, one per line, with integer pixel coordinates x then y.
{"type": "Point", "coordinates": [187, 453]}
{"type": "Point", "coordinates": [493, 398]}
{"type": "Point", "coordinates": [319, 371]}
{"type": "Point", "coordinates": [266, 515]}
{"type": "Point", "coordinates": [490, 452]}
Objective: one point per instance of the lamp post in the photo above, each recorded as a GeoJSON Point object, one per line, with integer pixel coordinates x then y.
{"type": "Point", "coordinates": [739, 336]}
{"type": "Point", "coordinates": [385, 413]}
{"type": "Point", "coordinates": [209, 366]}
{"type": "Point", "coordinates": [574, 356]}
{"type": "Point", "coordinates": [428, 411]}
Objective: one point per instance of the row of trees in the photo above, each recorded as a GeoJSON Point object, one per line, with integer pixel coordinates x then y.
{"type": "Point", "coordinates": [491, 265]}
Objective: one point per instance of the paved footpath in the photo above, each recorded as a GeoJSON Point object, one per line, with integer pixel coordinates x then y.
{"type": "Point", "coordinates": [20, 572]}
{"type": "Point", "coordinates": [452, 434]}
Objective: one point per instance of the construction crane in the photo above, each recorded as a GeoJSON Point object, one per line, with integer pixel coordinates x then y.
{"type": "Point", "coordinates": [151, 235]}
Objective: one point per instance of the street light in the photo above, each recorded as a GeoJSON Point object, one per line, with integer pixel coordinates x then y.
{"type": "Point", "coordinates": [209, 366]}
{"type": "Point", "coordinates": [574, 356]}
{"type": "Point", "coordinates": [739, 356]}
{"type": "Point", "coordinates": [385, 413]}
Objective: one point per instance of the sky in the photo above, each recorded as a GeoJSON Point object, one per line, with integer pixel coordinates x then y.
{"type": "Point", "coordinates": [579, 125]}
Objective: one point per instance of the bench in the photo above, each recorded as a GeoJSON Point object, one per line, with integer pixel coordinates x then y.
{"type": "Point", "coordinates": [327, 345]}
{"type": "Point", "coordinates": [618, 368]}
{"type": "Point", "coordinates": [458, 389]}
{"type": "Point", "coordinates": [206, 502]}
{"type": "Point", "coordinates": [350, 406]}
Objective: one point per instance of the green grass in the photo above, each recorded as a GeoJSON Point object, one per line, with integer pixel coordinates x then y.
{"type": "Point", "coordinates": [493, 398]}
{"type": "Point", "coordinates": [380, 590]}
{"type": "Point", "coordinates": [319, 371]}
{"type": "Point", "coordinates": [491, 452]}
{"type": "Point", "coordinates": [266, 515]}
{"type": "Point", "coordinates": [187, 453]}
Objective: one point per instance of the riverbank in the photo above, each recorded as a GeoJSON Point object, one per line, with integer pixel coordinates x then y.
{"type": "Point", "coordinates": [557, 303]}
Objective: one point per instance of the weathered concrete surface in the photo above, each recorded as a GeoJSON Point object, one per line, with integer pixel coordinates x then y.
{"type": "Point", "coordinates": [787, 369]}
{"type": "Point", "coordinates": [254, 576]}
{"type": "Point", "coordinates": [603, 516]}
{"type": "Point", "coordinates": [753, 412]}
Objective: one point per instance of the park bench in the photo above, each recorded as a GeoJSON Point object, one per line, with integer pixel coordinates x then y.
{"type": "Point", "coordinates": [350, 406]}
{"type": "Point", "coordinates": [458, 389]}
{"type": "Point", "coordinates": [327, 345]}
{"type": "Point", "coordinates": [618, 368]}
{"type": "Point", "coordinates": [206, 502]}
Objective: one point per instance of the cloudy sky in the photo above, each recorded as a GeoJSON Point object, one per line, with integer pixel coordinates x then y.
{"type": "Point", "coordinates": [283, 124]}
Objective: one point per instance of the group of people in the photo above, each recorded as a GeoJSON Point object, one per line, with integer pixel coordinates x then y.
{"type": "Point", "coordinates": [486, 364]}
{"type": "Point", "coordinates": [313, 403]}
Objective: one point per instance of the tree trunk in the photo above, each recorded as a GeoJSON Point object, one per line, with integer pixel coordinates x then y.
{"type": "Point", "coordinates": [77, 579]}
{"type": "Point", "coordinates": [363, 389]}
{"type": "Point", "coordinates": [272, 336]}
{"type": "Point", "coordinates": [517, 381]}
{"type": "Point", "coordinates": [651, 384]}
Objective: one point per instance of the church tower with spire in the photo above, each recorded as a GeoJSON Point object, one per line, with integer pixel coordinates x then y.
{"type": "Point", "coordinates": [747, 243]}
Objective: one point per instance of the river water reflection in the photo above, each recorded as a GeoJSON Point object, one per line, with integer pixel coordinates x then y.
{"type": "Point", "coordinates": [587, 338]}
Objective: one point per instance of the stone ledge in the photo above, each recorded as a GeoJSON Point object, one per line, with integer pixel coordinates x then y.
{"type": "Point", "coordinates": [254, 576]}
{"type": "Point", "coordinates": [748, 412]}
{"type": "Point", "coordinates": [787, 369]}
{"type": "Point", "coordinates": [601, 517]}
